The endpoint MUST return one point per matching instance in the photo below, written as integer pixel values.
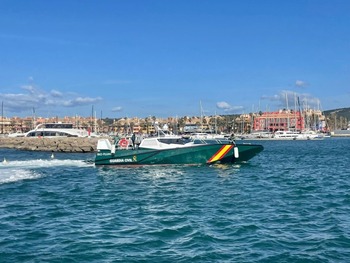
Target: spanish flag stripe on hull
(220, 153)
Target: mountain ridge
(341, 112)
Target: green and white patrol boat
(172, 149)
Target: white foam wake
(39, 163)
(12, 171)
(14, 175)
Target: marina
(106, 156)
(290, 201)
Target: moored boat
(309, 135)
(285, 135)
(174, 150)
(52, 130)
(295, 135)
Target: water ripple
(289, 204)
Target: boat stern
(247, 151)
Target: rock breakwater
(59, 144)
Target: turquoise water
(291, 203)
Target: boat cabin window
(49, 134)
(172, 140)
(58, 125)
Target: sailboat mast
(92, 118)
(287, 112)
(295, 112)
(299, 114)
(33, 118)
(201, 111)
(2, 117)
(95, 122)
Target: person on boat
(116, 139)
(138, 139)
(133, 137)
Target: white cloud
(29, 88)
(39, 99)
(227, 107)
(56, 93)
(117, 109)
(293, 99)
(80, 101)
(300, 84)
(223, 105)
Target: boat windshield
(173, 140)
(212, 141)
(55, 126)
(49, 134)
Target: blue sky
(164, 58)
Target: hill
(342, 112)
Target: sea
(290, 203)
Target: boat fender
(113, 149)
(236, 153)
(123, 143)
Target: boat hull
(201, 154)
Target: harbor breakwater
(62, 144)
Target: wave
(12, 171)
(14, 175)
(39, 163)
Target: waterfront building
(244, 123)
(284, 120)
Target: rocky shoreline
(59, 144)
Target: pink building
(279, 121)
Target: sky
(168, 58)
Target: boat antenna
(287, 111)
(201, 110)
(300, 119)
(92, 118)
(2, 117)
(33, 117)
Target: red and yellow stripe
(220, 153)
